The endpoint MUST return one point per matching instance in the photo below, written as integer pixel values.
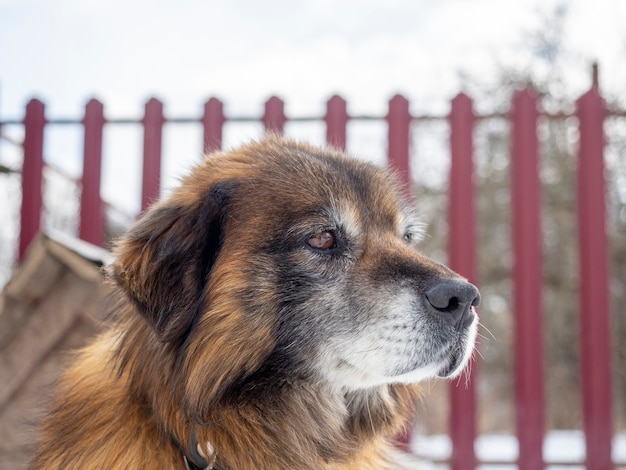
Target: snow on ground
(565, 447)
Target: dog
(274, 312)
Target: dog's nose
(453, 300)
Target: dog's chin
(354, 378)
(453, 368)
(453, 365)
(458, 358)
(349, 377)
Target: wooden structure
(54, 303)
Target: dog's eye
(323, 241)
(413, 234)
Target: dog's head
(279, 262)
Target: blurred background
(244, 51)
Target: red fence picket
(526, 234)
(336, 120)
(462, 259)
(594, 292)
(152, 138)
(91, 228)
(526, 229)
(274, 117)
(213, 122)
(32, 174)
(399, 132)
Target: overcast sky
(121, 51)
(242, 51)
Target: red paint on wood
(91, 227)
(213, 123)
(462, 259)
(32, 174)
(336, 121)
(274, 117)
(399, 121)
(594, 285)
(527, 279)
(152, 139)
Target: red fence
(526, 211)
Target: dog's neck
(302, 424)
(314, 430)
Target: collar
(193, 465)
(194, 460)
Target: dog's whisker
(488, 331)
(477, 351)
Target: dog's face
(280, 262)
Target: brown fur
(203, 356)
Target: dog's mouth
(451, 366)
(456, 359)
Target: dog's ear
(163, 263)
